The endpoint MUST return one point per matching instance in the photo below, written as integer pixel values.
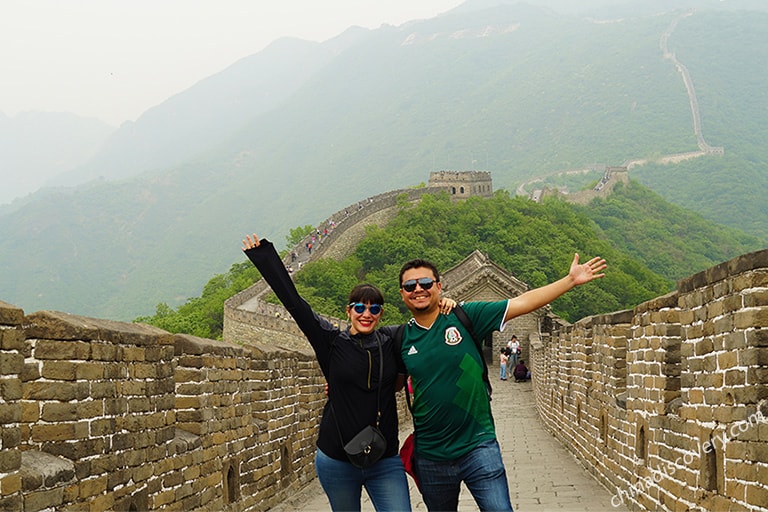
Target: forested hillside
(648, 243)
(670, 240)
(517, 90)
(723, 189)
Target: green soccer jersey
(451, 407)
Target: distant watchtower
(463, 184)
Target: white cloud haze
(114, 59)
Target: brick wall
(463, 184)
(667, 404)
(101, 415)
(664, 404)
(359, 215)
(11, 365)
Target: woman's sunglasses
(425, 283)
(360, 308)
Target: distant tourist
(503, 359)
(521, 372)
(514, 351)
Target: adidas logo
(412, 351)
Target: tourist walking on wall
(454, 428)
(360, 366)
(514, 350)
(503, 359)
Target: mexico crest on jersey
(452, 336)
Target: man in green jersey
(454, 429)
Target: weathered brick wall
(269, 322)
(667, 404)
(359, 215)
(98, 395)
(11, 365)
(101, 415)
(255, 410)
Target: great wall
(664, 404)
(606, 184)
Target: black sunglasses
(359, 308)
(425, 283)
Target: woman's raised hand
(250, 243)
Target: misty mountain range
(36, 147)
(287, 136)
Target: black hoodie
(349, 362)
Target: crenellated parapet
(463, 184)
(102, 415)
(667, 404)
(12, 350)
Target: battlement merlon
(463, 184)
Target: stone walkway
(542, 475)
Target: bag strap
(399, 355)
(467, 323)
(378, 390)
(381, 379)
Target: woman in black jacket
(361, 369)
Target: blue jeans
(481, 470)
(503, 371)
(343, 483)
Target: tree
(298, 234)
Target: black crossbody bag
(366, 448)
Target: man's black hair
(419, 263)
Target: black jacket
(350, 364)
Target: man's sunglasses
(360, 308)
(425, 283)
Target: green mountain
(668, 239)
(514, 89)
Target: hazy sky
(114, 59)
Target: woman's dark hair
(366, 293)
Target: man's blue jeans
(481, 470)
(385, 482)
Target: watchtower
(463, 184)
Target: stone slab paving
(542, 475)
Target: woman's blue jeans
(481, 470)
(385, 482)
